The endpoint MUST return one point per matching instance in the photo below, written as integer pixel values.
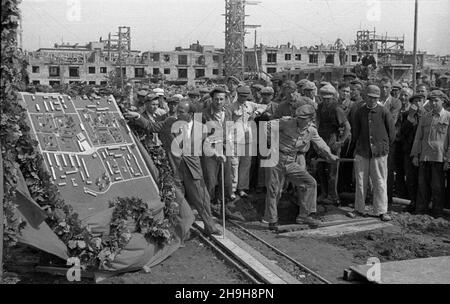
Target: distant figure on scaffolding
(366, 68)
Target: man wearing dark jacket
(374, 132)
(185, 161)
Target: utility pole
(416, 9)
(258, 72)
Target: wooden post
(415, 45)
(223, 200)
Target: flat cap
(173, 99)
(243, 90)
(350, 74)
(257, 86)
(142, 93)
(309, 86)
(324, 83)
(267, 91)
(438, 94)
(151, 97)
(373, 91)
(195, 92)
(305, 111)
(302, 82)
(179, 96)
(158, 91)
(327, 91)
(396, 85)
(217, 90)
(417, 96)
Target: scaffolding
(119, 45)
(369, 41)
(235, 36)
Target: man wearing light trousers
(374, 132)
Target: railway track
(283, 268)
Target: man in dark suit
(178, 135)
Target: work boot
(273, 226)
(307, 219)
(385, 217)
(243, 194)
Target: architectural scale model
(88, 150)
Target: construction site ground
(408, 237)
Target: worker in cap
(151, 111)
(186, 166)
(243, 112)
(162, 98)
(295, 137)
(395, 91)
(233, 83)
(267, 99)
(431, 153)
(310, 90)
(327, 91)
(256, 91)
(334, 128)
(289, 91)
(373, 135)
(172, 103)
(406, 174)
(140, 100)
(288, 106)
(216, 155)
(300, 85)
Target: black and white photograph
(223, 148)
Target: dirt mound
(422, 224)
(391, 246)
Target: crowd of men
(395, 143)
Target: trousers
(327, 177)
(290, 169)
(240, 172)
(431, 186)
(197, 195)
(376, 169)
(213, 176)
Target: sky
(164, 24)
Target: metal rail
(224, 255)
(305, 268)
